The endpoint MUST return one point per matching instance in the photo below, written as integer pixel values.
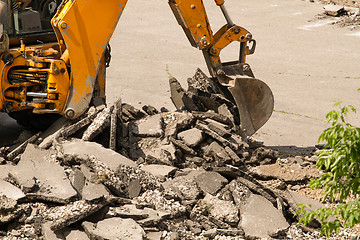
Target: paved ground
(307, 64)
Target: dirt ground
(307, 63)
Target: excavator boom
(253, 98)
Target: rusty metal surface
(253, 97)
(255, 103)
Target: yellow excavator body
(63, 75)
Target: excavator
(57, 54)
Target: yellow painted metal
(219, 2)
(47, 73)
(37, 74)
(85, 28)
(223, 38)
(99, 91)
(191, 15)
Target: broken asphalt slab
(39, 176)
(84, 150)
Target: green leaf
(341, 172)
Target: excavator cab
(32, 24)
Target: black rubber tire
(34, 121)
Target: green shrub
(340, 162)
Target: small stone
(114, 228)
(150, 110)
(221, 211)
(334, 10)
(50, 234)
(295, 187)
(191, 137)
(217, 151)
(210, 182)
(149, 127)
(173, 236)
(160, 171)
(154, 235)
(184, 186)
(211, 233)
(134, 188)
(220, 128)
(77, 235)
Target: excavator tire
(34, 121)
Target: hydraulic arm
(253, 97)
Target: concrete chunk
(158, 153)
(92, 191)
(100, 122)
(128, 211)
(176, 121)
(222, 211)
(218, 152)
(334, 10)
(192, 137)
(114, 228)
(4, 171)
(298, 198)
(259, 218)
(63, 216)
(179, 97)
(50, 234)
(53, 132)
(157, 170)
(86, 184)
(77, 235)
(84, 150)
(10, 191)
(149, 127)
(184, 186)
(210, 182)
(35, 170)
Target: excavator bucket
(253, 97)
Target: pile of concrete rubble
(123, 173)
